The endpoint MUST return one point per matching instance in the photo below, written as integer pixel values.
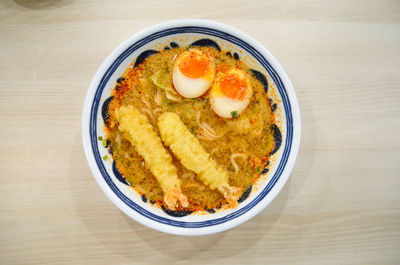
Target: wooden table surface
(341, 204)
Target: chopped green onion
(230, 167)
(192, 129)
(258, 169)
(194, 99)
(105, 142)
(100, 138)
(234, 114)
(105, 157)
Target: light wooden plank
(341, 204)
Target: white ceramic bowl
(184, 32)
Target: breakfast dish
(190, 128)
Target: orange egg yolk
(194, 65)
(233, 87)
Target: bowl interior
(109, 178)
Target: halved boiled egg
(231, 92)
(193, 73)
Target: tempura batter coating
(193, 156)
(140, 133)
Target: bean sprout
(157, 98)
(203, 137)
(206, 126)
(171, 97)
(173, 59)
(208, 131)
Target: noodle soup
(240, 144)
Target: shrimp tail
(230, 193)
(172, 197)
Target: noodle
(148, 112)
(171, 97)
(203, 137)
(205, 125)
(157, 110)
(209, 130)
(157, 98)
(235, 166)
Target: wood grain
(341, 204)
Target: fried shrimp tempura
(193, 156)
(140, 133)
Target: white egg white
(224, 106)
(189, 87)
